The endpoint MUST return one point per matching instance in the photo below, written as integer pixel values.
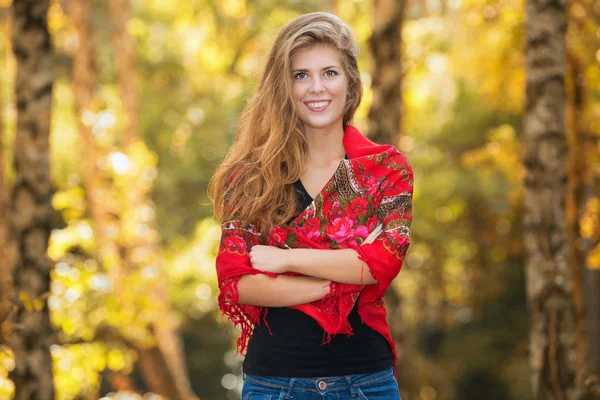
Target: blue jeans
(375, 386)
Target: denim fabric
(374, 386)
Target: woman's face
(320, 86)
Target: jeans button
(322, 385)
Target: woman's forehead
(316, 57)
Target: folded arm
(341, 266)
(377, 260)
(283, 291)
(244, 289)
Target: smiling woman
(320, 87)
(315, 225)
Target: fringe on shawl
(330, 306)
(375, 273)
(244, 317)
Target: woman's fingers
(373, 235)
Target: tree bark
(551, 297)
(5, 266)
(385, 114)
(31, 202)
(138, 202)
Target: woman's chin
(321, 123)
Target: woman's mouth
(317, 106)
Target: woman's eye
(300, 75)
(330, 73)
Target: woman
(315, 226)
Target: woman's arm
(283, 291)
(373, 262)
(341, 266)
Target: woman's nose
(317, 86)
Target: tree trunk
(106, 222)
(95, 183)
(551, 297)
(138, 203)
(124, 49)
(386, 109)
(5, 270)
(31, 202)
(591, 293)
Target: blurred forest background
(144, 104)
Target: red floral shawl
(373, 185)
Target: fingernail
(379, 226)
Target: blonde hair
(254, 183)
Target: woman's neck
(325, 146)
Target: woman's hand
(278, 261)
(269, 259)
(373, 235)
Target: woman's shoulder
(391, 159)
(398, 160)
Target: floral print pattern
(373, 186)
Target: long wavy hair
(254, 183)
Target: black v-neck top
(295, 348)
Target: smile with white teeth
(317, 104)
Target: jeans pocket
(386, 389)
(255, 391)
(257, 396)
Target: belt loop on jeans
(290, 388)
(353, 391)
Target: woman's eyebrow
(306, 70)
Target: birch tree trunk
(550, 282)
(385, 114)
(138, 204)
(30, 202)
